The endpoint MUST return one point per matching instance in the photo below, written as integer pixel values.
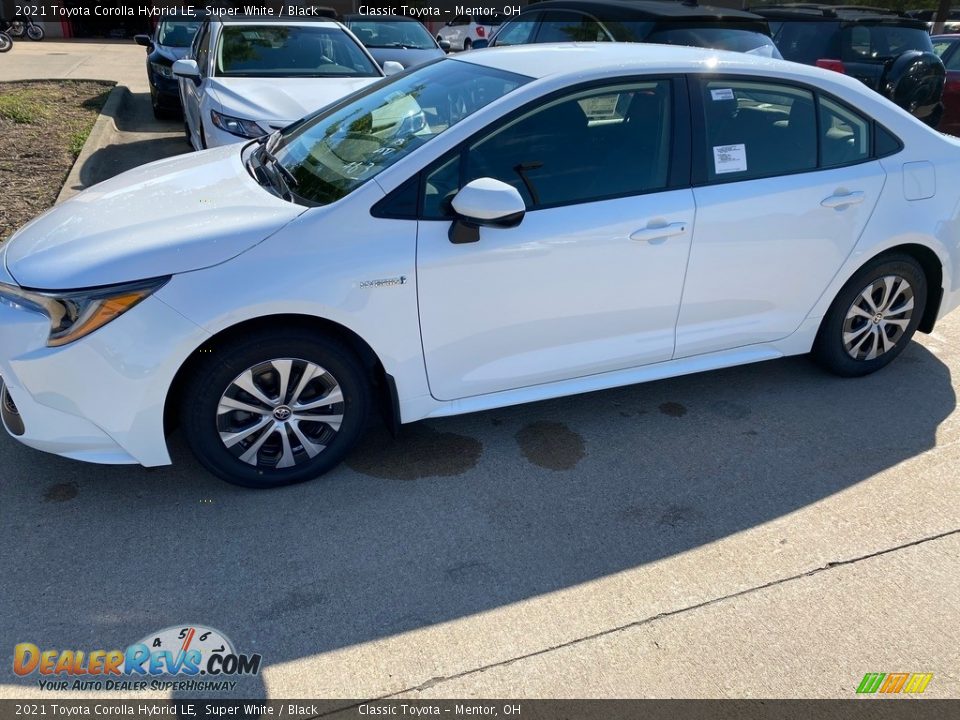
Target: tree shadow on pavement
(456, 517)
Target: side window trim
(680, 154)
(697, 86)
(679, 143)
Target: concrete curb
(101, 135)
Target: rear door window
(807, 42)
(882, 42)
(758, 129)
(518, 32)
(567, 26)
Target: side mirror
(445, 45)
(187, 68)
(392, 67)
(485, 201)
(143, 40)
(480, 44)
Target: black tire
(186, 133)
(35, 32)
(205, 390)
(845, 330)
(467, 45)
(6, 42)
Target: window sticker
(723, 94)
(729, 158)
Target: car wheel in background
(275, 408)
(873, 317)
(467, 44)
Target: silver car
(397, 39)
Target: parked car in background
(489, 229)
(247, 78)
(948, 48)
(465, 30)
(888, 52)
(394, 38)
(170, 41)
(651, 21)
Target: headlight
(76, 314)
(162, 70)
(237, 126)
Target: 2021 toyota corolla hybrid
(504, 226)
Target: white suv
(464, 30)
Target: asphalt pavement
(762, 531)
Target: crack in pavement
(432, 682)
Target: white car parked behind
(464, 30)
(245, 79)
(489, 229)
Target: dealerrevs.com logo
(188, 652)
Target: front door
(591, 280)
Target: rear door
(787, 182)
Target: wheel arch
(384, 386)
(932, 270)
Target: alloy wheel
(280, 414)
(878, 317)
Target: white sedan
(500, 227)
(245, 79)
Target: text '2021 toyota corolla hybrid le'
(500, 227)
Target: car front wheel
(873, 317)
(275, 409)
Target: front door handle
(844, 200)
(660, 232)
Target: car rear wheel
(873, 317)
(275, 409)
(467, 44)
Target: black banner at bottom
(874, 708)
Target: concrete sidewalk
(127, 134)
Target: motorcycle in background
(6, 42)
(27, 27)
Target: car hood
(406, 57)
(168, 217)
(277, 102)
(171, 54)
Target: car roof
(254, 20)
(541, 60)
(642, 10)
(355, 17)
(845, 13)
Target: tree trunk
(941, 16)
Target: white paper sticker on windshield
(729, 158)
(723, 94)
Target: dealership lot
(762, 531)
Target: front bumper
(165, 91)
(102, 398)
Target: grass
(21, 107)
(43, 127)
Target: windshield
(290, 51)
(177, 33)
(735, 39)
(407, 34)
(335, 151)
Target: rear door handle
(839, 201)
(661, 232)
